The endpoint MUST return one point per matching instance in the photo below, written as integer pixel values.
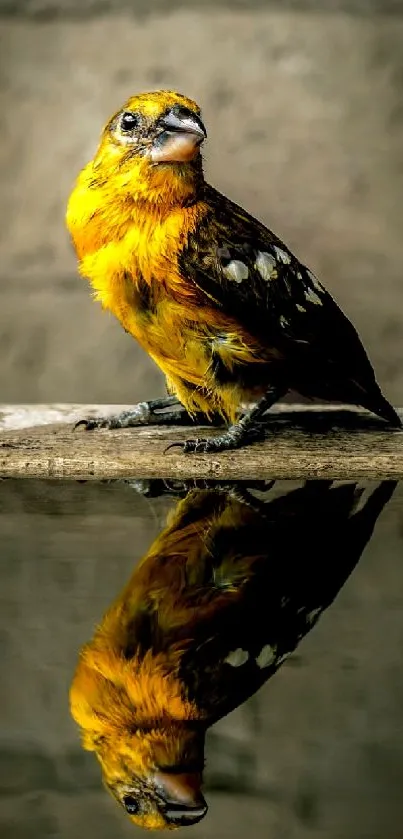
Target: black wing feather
(291, 312)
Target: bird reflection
(238, 576)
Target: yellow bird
(225, 593)
(223, 307)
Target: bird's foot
(236, 437)
(144, 413)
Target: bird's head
(148, 739)
(156, 776)
(150, 148)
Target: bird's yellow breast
(129, 251)
(125, 249)
(121, 243)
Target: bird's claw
(190, 446)
(89, 423)
(173, 446)
(235, 437)
(200, 445)
(140, 414)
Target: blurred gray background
(303, 103)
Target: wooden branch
(302, 442)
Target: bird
(226, 592)
(232, 318)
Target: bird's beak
(180, 138)
(183, 801)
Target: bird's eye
(128, 121)
(131, 805)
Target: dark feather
(319, 351)
(288, 563)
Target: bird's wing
(285, 585)
(251, 276)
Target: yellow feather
(129, 222)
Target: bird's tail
(380, 406)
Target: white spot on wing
(282, 255)
(266, 265)
(236, 271)
(312, 297)
(237, 657)
(314, 280)
(283, 658)
(266, 657)
(311, 616)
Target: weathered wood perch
(302, 442)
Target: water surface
(316, 752)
